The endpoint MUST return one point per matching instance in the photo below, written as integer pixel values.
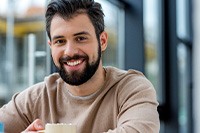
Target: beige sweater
(126, 104)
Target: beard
(75, 77)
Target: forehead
(77, 23)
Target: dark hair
(69, 8)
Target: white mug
(60, 128)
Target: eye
(81, 39)
(59, 42)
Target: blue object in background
(1, 127)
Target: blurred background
(158, 37)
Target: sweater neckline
(88, 97)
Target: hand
(34, 127)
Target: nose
(70, 49)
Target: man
(96, 99)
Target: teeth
(74, 63)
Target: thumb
(35, 126)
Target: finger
(35, 126)
(29, 132)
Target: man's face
(75, 49)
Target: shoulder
(126, 76)
(130, 83)
(38, 90)
(49, 82)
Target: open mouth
(74, 63)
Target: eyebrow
(76, 34)
(82, 33)
(57, 37)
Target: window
(24, 52)
(154, 44)
(154, 53)
(168, 48)
(114, 24)
(184, 65)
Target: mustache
(75, 57)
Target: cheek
(56, 54)
(93, 54)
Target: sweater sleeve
(13, 119)
(18, 113)
(137, 107)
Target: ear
(49, 42)
(103, 41)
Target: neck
(91, 86)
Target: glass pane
(23, 45)
(183, 71)
(114, 23)
(183, 19)
(153, 44)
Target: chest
(89, 116)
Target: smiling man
(76, 51)
(95, 98)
